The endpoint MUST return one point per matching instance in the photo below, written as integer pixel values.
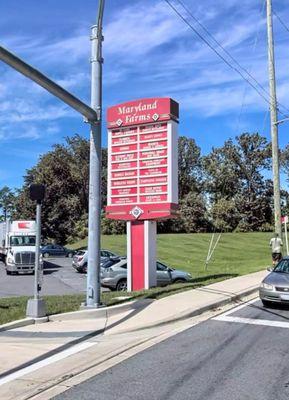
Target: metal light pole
(94, 212)
(93, 117)
(36, 306)
(274, 121)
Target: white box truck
(17, 246)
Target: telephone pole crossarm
(25, 69)
(281, 121)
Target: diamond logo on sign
(119, 122)
(136, 212)
(156, 117)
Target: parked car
(79, 261)
(55, 250)
(114, 277)
(274, 289)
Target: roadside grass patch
(14, 308)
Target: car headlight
(189, 275)
(267, 286)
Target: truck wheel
(8, 272)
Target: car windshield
(282, 267)
(110, 262)
(22, 241)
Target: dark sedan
(275, 287)
(55, 250)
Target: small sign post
(284, 220)
(36, 306)
(142, 178)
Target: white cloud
(148, 48)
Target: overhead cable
(222, 57)
(281, 21)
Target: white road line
(232, 310)
(251, 321)
(56, 357)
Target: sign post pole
(36, 306)
(286, 236)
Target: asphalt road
(241, 355)
(59, 278)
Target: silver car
(274, 288)
(79, 261)
(114, 276)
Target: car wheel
(179, 280)
(70, 255)
(46, 255)
(267, 304)
(122, 285)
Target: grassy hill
(236, 253)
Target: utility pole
(94, 212)
(274, 121)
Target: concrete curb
(82, 314)
(102, 312)
(17, 324)
(192, 313)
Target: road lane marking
(232, 310)
(252, 321)
(49, 360)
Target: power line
(222, 47)
(250, 69)
(220, 55)
(281, 21)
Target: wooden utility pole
(274, 121)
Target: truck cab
(20, 247)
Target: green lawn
(236, 253)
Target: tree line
(226, 190)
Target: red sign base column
(141, 255)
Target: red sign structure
(142, 165)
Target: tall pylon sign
(142, 178)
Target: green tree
(234, 174)
(7, 202)
(65, 172)
(225, 215)
(190, 168)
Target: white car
(79, 261)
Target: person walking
(276, 245)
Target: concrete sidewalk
(41, 356)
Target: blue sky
(148, 51)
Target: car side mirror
(270, 269)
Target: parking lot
(59, 278)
